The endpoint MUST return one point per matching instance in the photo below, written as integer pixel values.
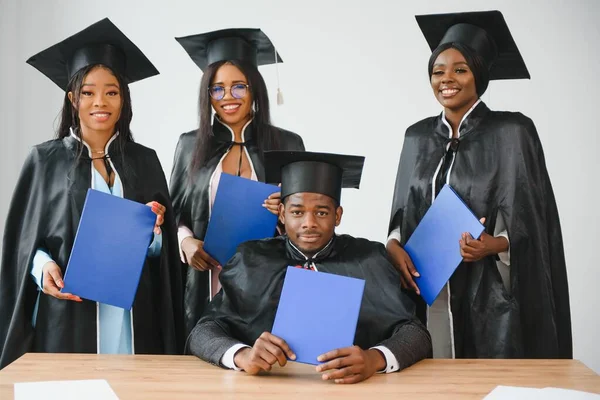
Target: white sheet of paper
(513, 393)
(549, 393)
(94, 389)
(552, 393)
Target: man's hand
(351, 364)
(267, 350)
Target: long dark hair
(265, 136)
(69, 117)
(475, 62)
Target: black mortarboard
(99, 43)
(244, 44)
(303, 171)
(485, 32)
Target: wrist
(45, 267)
(377, 360)
(391, 243)
(500, 245)
(186, 243)
(239, 357)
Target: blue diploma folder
(317, 312)
(110, 249)
(238, 216)
(433, 247)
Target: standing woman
(94, 149)
(233, 142)
(509, 297)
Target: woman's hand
(159, 210)
(473, 250)
(195, 256)
(403, 264)
(52, 283)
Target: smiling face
(232, 111)
(99, 102)
(453, 82)
(310, 220)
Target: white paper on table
(549, 393)
(93, 389)
(552, 393)
(513, 393)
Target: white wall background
(354, 78)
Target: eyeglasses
(238, 91)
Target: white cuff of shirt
(227, 359)
(40, 259)
(390, 360)
(505, 255)
(183, 232)
(156, 246)
(395, 234)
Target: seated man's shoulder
(269, 247)
(361, 246)
(370, 255)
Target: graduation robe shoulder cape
(191, 198)
(499, 167)
(253, 279)
(45, 212)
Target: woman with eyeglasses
(232, 142)
(509, 297)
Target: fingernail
(338, 381)
(318, 368)
(320, 358)
(417, 274)
(293, 357)
(325, 377)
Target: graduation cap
(486, 32)
(303, 171)
(243, 44)
(99, 43)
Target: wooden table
(186, 377)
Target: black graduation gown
(253, 279)
(191, 198)
(45, 212)
(499, 167)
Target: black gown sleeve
(180, 181)
(404, 173)
(171, 272)
(22, 233)
(538, 267)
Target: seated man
(235, 330)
